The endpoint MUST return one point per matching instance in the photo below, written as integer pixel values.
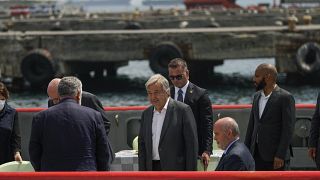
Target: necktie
(180, 96)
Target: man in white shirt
(198, 99)
(271, 122)
(168, 134)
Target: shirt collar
(184, 88)
(225, 151)
(264, 96)
(164, 107)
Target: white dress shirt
(184, 90)
(157, 122)
(262, 102)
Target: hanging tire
(38, 67)
(162, 55)
(308, 58)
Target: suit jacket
(314, 131)
(198, 99)
(68, 137)
(10, 139)
(274, 130)
(92, 101)
(237, 158)
(178, 145)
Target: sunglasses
(177, 77)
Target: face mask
(2, 103)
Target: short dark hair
(178, 62)
(4, 91)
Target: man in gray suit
(168, 134)
(271, 122)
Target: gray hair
(158, 78)
(230, 123)
(69, 86)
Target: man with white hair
(236, 156)
(68, 136)
(168, 134)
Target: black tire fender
(38, 67)
(161, 55)
(308, 58)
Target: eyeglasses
(177, 77)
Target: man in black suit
(271, 122)
(236, 156)
(314, 144)
(198, 99)
(87, 99)
(68, 136)
(168, 134)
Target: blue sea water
(234, 88)
(233, 83)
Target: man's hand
(205, 160)
(312, 153)
(17, 157)
(278, 163)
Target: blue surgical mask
(2, 103)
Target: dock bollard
(292, 21)
(307, 19)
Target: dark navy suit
(237, 158)
(90, 100)
(10, 140)
(69, 137)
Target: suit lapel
(220, 163)
(166, 121)
(224, 154)
(256, 107)
(270, 101)
(172, 92)
(189, 93)
(149, 127)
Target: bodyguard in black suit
(271, 122)
(198, 99)
(68, 136)
(314, 144)
(87, 99)
(168, 134)
(236, 156)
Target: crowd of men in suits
(176, 129)
(68, 136)
(169, 137)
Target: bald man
(236, 156)
(271, 122)
(52, 91)
(87, 99)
